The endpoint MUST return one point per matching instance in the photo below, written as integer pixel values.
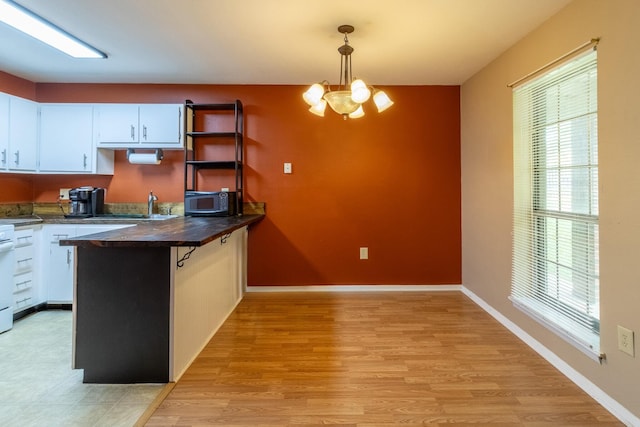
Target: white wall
(487, 180)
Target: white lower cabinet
(26, 292)
(59, 261)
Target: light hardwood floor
(371, 359)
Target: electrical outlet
(64, 194)
(364, 253)
(625, 341)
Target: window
(555, 273)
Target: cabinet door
(59, 267)
(4, 131)
(66, 133)
(117, 123)
(23, 134)
(160, 124)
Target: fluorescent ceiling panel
(29, 23)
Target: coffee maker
(86, 202)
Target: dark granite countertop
(180, 231)
(21, 220)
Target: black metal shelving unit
(195, 139)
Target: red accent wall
(390, 181)
(17, 86)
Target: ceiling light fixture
(351, 93)
(29, 23)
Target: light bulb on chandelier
(351, 93)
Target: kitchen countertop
(179, 231)
(22, 220)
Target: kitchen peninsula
(148, 298)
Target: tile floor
(38, 386)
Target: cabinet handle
(23, 302)
(84, 161)
(24, 284)
(17, 153)
(144, 132)
(133, 133)
(68, 256)
(4, 156)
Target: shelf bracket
(185, 257)
(224, 238)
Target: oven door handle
(6, 246)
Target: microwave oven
(210, 203)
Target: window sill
(589, 347)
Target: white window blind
(555, 273)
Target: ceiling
(400, 42)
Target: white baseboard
(619, 411)
(356, 288)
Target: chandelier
(350, 94)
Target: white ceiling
(399, 42)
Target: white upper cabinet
(4, 131)
(139, 125)
(161, 124)
(80, 138)
(117, 123)
(66, 138)
(23, 135)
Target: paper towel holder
(145, 158)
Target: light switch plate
(287, 168)
(364, 253)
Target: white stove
(7, 262)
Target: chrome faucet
(152, 198)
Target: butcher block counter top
(180, 231)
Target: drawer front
(62, 235)
(24, 237)
(22, 300)
(22, 282)
(24, 259)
